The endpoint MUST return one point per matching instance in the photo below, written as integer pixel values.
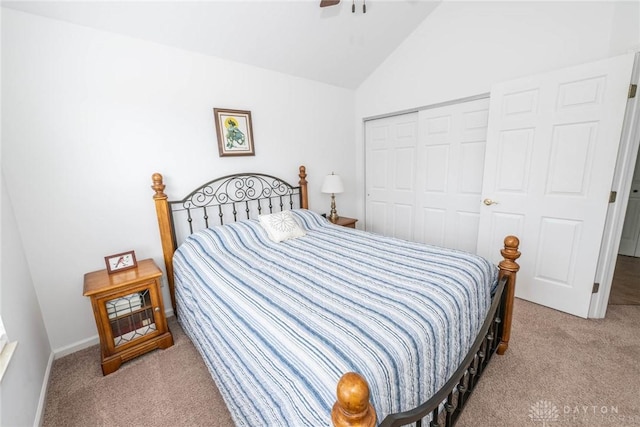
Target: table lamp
(332, 184)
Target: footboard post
(166, 232)
(508, 268)
(353, 409)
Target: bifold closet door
(451, 148)
(424, 174)
(390, 163)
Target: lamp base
(333, 215)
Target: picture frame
(120, 262)
(234, 131)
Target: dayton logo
(545, 412)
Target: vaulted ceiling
(297, 37)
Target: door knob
(489, 202)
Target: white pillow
(281, 226)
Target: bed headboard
(222, 200)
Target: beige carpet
(559, 370)
(587, 370)
(169, 387)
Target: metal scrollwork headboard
(229, 198)
(240, 191)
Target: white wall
(463, 48)
(88, 116)
(23, 381)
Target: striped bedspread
(278, 323)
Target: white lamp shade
(332, 184)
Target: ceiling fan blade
(325, 3)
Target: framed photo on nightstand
(119, 262)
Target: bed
(290, 311)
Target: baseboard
(77, 346)
(37, 421)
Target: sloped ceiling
(296, 37)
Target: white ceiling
(297, 37)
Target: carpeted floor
(169, 387)
(559, 370)
(587, 370)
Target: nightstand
(129, 313)
(346, 222)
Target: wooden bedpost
(353, 409)
(304, 200)
(166, 233)
(508, 267)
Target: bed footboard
(353, 408)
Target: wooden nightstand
(346, 222)
(129, 313)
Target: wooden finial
(510, 254)
(158, 186)
(353, 407)
(303, 174)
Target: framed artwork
(119, 262)
(235, 132)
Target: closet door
(390, 163)
(424, 174)
(451, 151)
(551, 153)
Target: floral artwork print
(234, 132)
(234, 135)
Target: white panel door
(551, 151)
(630, 240)
(451, 150)
(390, 145)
